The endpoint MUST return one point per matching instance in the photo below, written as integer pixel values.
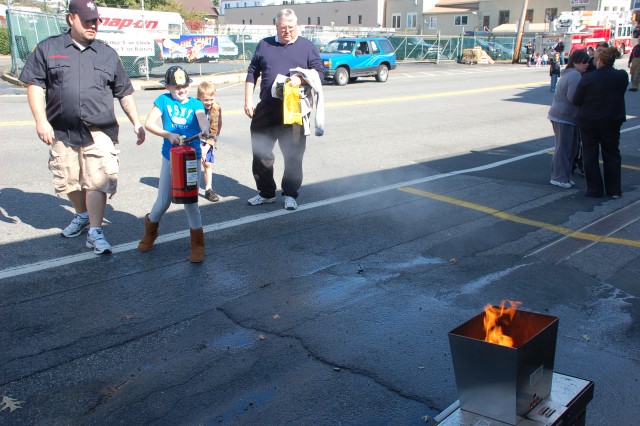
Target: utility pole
(516, 51)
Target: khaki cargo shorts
(94, 167)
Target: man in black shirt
(72, 81)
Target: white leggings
(164, 198)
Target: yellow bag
(291, 104)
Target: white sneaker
(290, 203)
(259, 199)
(561, 184)
(97, 242)
(76, 227)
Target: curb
(13, 80)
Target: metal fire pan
(500, 382)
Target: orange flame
(493, 318)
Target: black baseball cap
(85, 9)
(176, 76)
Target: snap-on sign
(121, 23)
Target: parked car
(319, 43)
(246, 44)
(346, 59)
(495, 50)
(414, 47)
(226, 48)
(136, 66)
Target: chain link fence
(230, 51)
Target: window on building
(243, 22)
(503, 17)
(395, 20)
(433, 22)
(245, 4)
(250, 21)
(460, 20)
(412, 20)
(318, 21)
(349, 20)
(550, 13)
(529, 15)
(486, 21)
(359, 19)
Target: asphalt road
(427, 198)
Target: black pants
(266, 129)
(602, 137)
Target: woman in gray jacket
(564, 119)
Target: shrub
(5, 46)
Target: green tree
(133, 4)
(5, 48)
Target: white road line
(54, 263)
(67, 260)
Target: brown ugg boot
(150, 235)
(197, 245)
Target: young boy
(207, 95)
(175, 116)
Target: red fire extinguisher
(184, 172)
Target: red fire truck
(581, 29)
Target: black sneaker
(211, 196)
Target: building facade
(351, 13)
(428, 17)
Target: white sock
(83, 216)
(93, 230)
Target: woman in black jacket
(600, 95)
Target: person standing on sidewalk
(559, 48)
(72, 80)
(554, 70)
(275, 55)
(634, 68)
(528, 48)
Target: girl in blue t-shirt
(181, 117)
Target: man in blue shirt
(72, 80)
(278, 55)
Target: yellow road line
(513, 218)
(437, 95)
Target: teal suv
(346, 59)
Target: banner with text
(190, 48)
